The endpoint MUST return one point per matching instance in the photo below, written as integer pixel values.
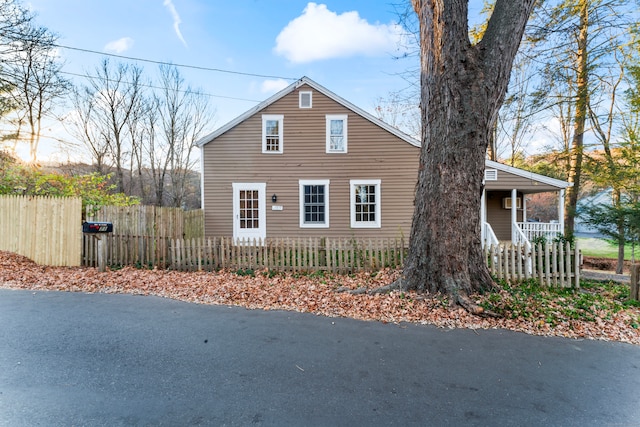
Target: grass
(528, 300)
(602, 248)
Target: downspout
(202, 177)
(561, 210)
(514, 214)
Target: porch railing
(533, 230)
(519, 237)
(488, 236)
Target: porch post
(524, 208)
(561, 210)
(514, 214)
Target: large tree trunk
(463, 87)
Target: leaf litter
(322, 294)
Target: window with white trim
(365, 203)
(314, 203)
(337, 133)
(272, 130)
(305, 99)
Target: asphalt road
(71, 359)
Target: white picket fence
(552, 264)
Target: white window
(314, 203)
(506, 203)
(337, 133)
(365, 203)
(272, 129)
(305, 99)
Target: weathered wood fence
(336, 255)
(141, 234)
(151, 221)
(47, 230)
(552, 264)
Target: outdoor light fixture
(274, 198)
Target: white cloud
(322, 34)
(176, 20)
(273, 86)
(120, 45)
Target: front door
(249, 213)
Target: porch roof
(508, 178)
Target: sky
(259, 47)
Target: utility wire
(86, 76)
(195, 67)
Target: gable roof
(403, 136)
(526, 174)
(306, 80)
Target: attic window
(337, 133)
(272, 127)
(491, 175)
(305, 99)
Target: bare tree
(400, 112)
(82, 124)
(463, 86)
(156, 152)
(147, 137)
(30, 74)
(184, 114)
(117, 93)
(517, 118)
(139, 134)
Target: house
(582, 226)
(308, 163)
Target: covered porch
(504, 206)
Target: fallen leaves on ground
(311, 293)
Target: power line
(86, 76)
(195, 67)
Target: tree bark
(580, 119)
(463, 86)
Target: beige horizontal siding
(497, 216)
(509, 181)
(373, 153)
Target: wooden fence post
(102, 253)
(634, 292)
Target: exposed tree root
(381, 290)
(461, 298)
(393, 286)
(474, 308)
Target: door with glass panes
(249, 211)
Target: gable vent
(305, 99)
(491, 175)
